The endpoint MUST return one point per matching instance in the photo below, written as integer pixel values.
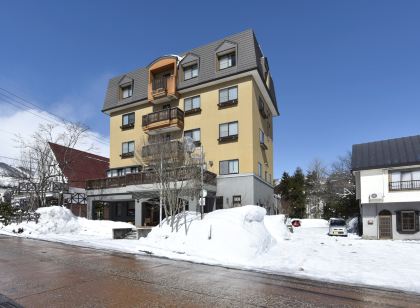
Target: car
(337, 227)
(295, 222)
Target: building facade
(222, 96)
(388, 187)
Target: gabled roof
(386, 153)
(248, 58)
(79, 166)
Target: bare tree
(315, 187)
(42, 172)
(175, 170)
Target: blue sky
(345, 71)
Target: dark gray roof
(386, 153)
(249, 58)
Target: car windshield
(337, 223)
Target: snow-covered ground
(248, 239)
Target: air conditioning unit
(375, 197)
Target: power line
(53, 117)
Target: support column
(89, 208)
(139, 211)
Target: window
(128, 120)
(190, 71)
(194, 134)
(192, 104)
(227, 60)
(228, 131)
(236, 201)
(404, 180)
(228, 96)
(229, 166)
(408, 219)
(259, 169)
(126, 91)
(262, 137)
(131, 210)
(128, 149)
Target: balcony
(404, 185)
(163, 121)
(162, 80)
(162, 148)
(136, 179)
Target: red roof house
(79, 166)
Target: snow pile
(58, 220)
(275, 224)
(230, 235)
(353, 225)
(314, 223)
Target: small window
(259, 169)
(128, 120)
(228, 95)
(236, 201)
(190, 71)
(126, 91)
(262, 137)
(194, 134)
(408, 219)
(192, 103)
(227, 60)
(128, 149)
(228, 131)
(131, 209)
(229, 166)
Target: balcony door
(385, 225)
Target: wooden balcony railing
(136, 179)
(165, 148)
(163, 115)
(404, 185)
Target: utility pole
(202, 180)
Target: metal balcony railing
(404, 185)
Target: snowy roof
(386, 153)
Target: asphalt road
(44, 274)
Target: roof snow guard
(386, 153)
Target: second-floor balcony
(163, 121)
(164, 149)
(404, 185)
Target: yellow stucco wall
(247, 149)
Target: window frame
(128, 125)
(230, 55)
(128, 153)
(229, 101)
(190, 67)
(124, 86)
(236, 201)
(196, 142)
(229, 161)
(192, 109)
(259, 171)
(413, 213)
(229, 137)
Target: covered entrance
(385, 225)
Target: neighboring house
(388, 186)
(222, 96)
(74, 167)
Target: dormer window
(126, 91)
(190, 71)
(227, 60)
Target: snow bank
(229, 235)
(313, 223)
(277, 228)
(56, 220)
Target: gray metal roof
(386, 153)
(248, 58)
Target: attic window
(226, 60)
(190, 71)
(126, 91)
